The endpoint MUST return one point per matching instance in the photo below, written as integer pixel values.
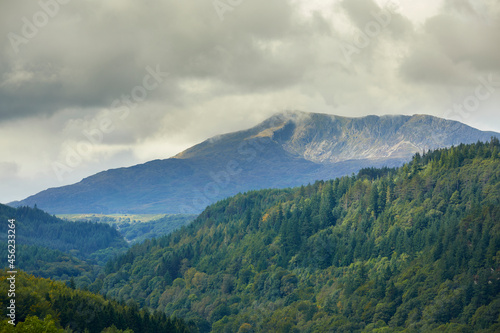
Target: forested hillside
(47, 306)
(82, 239)
(137, 232)
(48, 263)
(52, 248)
(137, 228)
(409, 249)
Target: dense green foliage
(81, 239)
(52, 248)
(47, 306)
(136, 230)
(47, 263)
(409, 249)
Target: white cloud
(225, 75)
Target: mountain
(289, 149)
(413, 249)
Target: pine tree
(326, 206)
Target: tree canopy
(408, 249)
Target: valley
(136, 228)
(412, 248)
(232, 166)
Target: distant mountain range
(289, 149)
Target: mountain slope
(82, 239)
(288, 149)
(414, 249)
(46, 306)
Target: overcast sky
(91, 85)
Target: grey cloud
(360, 11)
(427, 64)
(265, 56)
(467, 41)
(483, 10)
(9, 170)
(455, 47)
(400, 27)
(91, 52)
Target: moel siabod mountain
(289, 149)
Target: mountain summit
(289, 149)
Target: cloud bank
(68, 67)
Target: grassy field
(103, 218)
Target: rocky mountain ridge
(288, 149)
